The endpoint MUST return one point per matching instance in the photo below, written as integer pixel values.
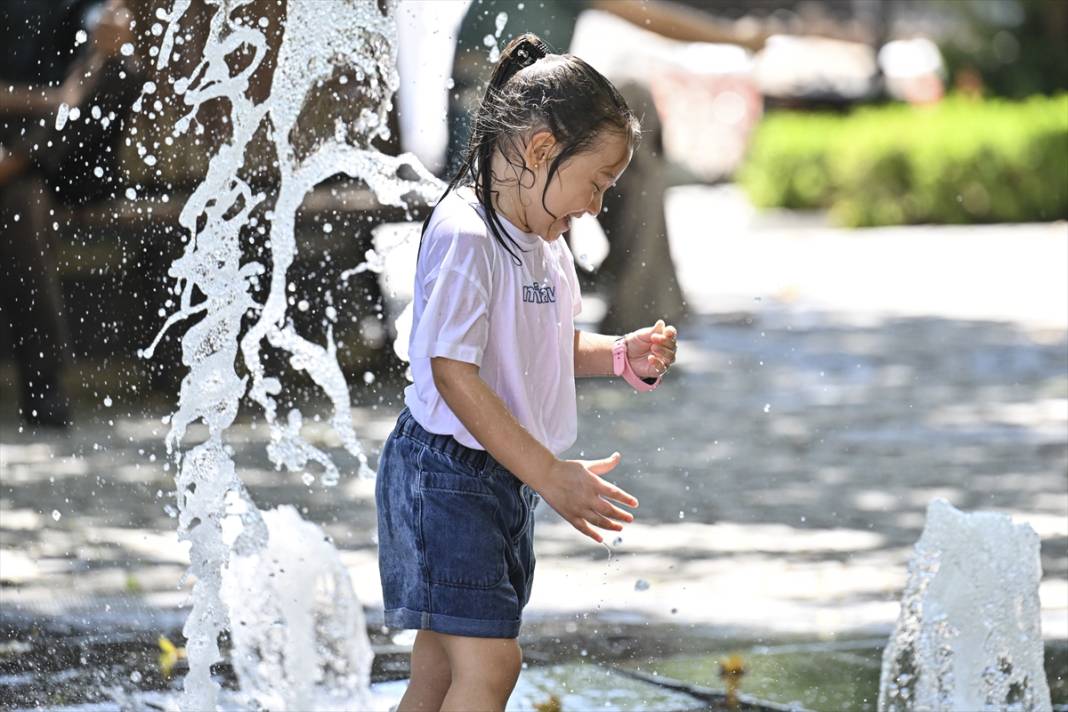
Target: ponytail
(520, 53)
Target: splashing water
(491, 40)
(969, 634)
(215, 512)
(321, 660)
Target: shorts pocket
(460, 531)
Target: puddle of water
(578, 686)
(86, 672)
(73, 669)
(820, 677)
(574, 686)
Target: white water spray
(969, 634)
(216, 514)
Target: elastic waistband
(479, 460)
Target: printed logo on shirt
(539, 294)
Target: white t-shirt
(472, 303)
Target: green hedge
(959, 161)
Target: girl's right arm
(573, 488)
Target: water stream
(300, 641)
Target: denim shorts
(455, 536)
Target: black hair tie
(525, 57)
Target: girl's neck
(505, 205)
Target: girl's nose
(595, 205)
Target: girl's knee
(496, 661)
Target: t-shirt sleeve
(455, 321)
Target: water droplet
(56, 515)
(107, 401)
(767, 407)
(307, 478)
(80, 37)
(135, 676)
(618, 541)
(368, 377)
(682, 514)
(303, 305)
(641, 585)
(127, 49)
(62, 113)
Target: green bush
(959, 161)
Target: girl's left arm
(593, 354)
(651, 351)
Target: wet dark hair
(533, 89)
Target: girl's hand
(579, 495)
(651, 350)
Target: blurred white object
(704, 93)
(969, 636)
(426, 32)
(913, 70)
(792, 66)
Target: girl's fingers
(659, 366)
(614, 512)
(585, 528)
(665, 354)
(605, 523)
(619, 496)
(604, 466)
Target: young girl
(494, 356)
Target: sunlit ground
(828, 387)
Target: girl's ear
(540, 149)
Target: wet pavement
(783, 468)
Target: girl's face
(578, 186)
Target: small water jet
(969, 633)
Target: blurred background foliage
(994, 150)
(961, 160)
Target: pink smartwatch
(621, 367)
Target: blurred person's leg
(638, 274)
(32, 302)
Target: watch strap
(621, 367)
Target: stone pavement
(829, 385)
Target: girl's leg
(430, 677)
(484, 672)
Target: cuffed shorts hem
(406, 618)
